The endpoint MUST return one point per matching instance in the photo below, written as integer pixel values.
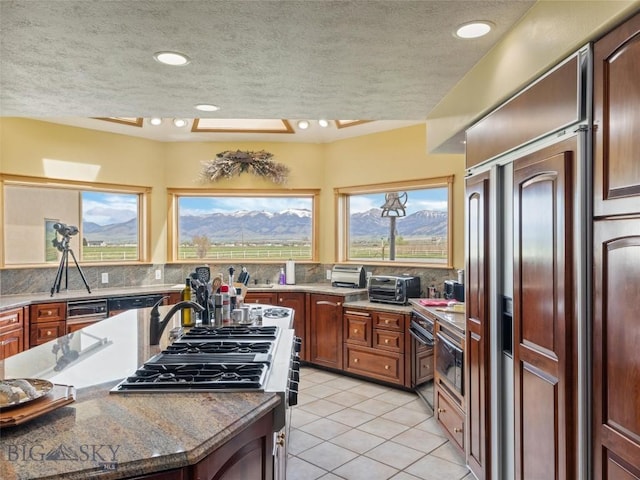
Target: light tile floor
(351, 429)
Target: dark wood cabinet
(296, 301)
(477, 380)
(616, 255)
(616, 362)
(616, 113)
(544, 302)
(248, 455)
(374, 345)
(48, 321)
(266, 298)
(12, 331)
(325, 330)
(450, 416)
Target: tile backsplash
(20, 281)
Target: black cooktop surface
(196, 376)
(218, 346)
(235, 331)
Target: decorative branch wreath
(229, 164)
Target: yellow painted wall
(391, 156)
(89, 155)
(548, 33)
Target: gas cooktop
(237, 332)
(195, 376)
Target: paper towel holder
(290, 272)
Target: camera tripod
(64, 266)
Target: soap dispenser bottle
(282, 279)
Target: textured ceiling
(391, 60)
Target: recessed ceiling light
(179, 122)
(175, 59)
(303, 124)
(473, 29)
(323, 123)
(155, 121)
(206, 107)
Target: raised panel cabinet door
(477, 397)
(297, 302)
(326, 330)
(543, 356)
(616, 359)
(11, 343)
(617, 121)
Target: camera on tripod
(66, 231)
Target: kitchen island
(111, 436)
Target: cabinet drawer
(424, 366)
(450, 417)
(43, 332)
(386, 366)
(388, 340)
(267, 298)
(11, 343)
(48, 312)
(357, 329)
(389, 321)
(11, 319)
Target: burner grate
(218, 346)
(236, 331)
(203, 376)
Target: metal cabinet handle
(386, 340)
(386, 322)
(49, 312)
(355, 360)
(339, 303)
(457, 430)
(387, 367)
(280, 300)
(441, 410)
(355, 330)
(49, 333)
(280, 440)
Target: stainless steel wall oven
(421, 330)
(450, 360)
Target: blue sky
(417, 200)
(108, 208)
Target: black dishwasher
(122, 304)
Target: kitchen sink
(260, 285)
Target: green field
(435, 252)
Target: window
(97, 222)
(405, 222)
(243, 225)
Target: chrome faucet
(156, 326)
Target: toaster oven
(393, 289)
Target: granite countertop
(383, 307)
(325, 288)
(14, 301)
(456, 320)
(139, 432)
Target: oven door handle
(423, 340)
(448, 343)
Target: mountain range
(287, 226)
